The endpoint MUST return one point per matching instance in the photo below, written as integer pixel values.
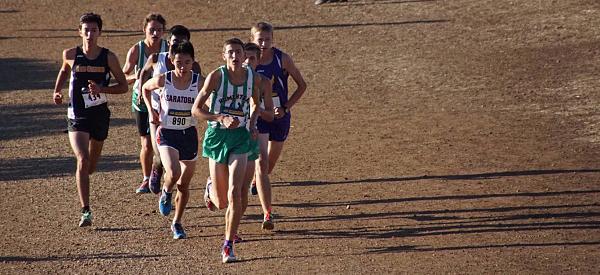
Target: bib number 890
(179, 121)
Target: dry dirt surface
(457, 136)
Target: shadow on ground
(27, 74)
(478, 176)
(100, 256)
(40, 168)
(35, 120)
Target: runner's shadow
(377, 2)
(100, 256)
(478, 176)
(27, 74)
(34, 120)
(117, 229)
(416, 248)
(42, 168)
(435, 198)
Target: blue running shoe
(143, 188)
(155, 176)
(164, 203)
(178, 232)
(227, 253)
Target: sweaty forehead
(154, 24)
(233, 47)
(89, 25)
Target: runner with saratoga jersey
(177, 135)
(159, 63)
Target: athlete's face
(89, 32)
(263, 39)
(234, 55)
(251, 59)
(154, 30)
(183, 63)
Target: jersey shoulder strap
(141, 53)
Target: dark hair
(252, 48)
(233, 41)
(90, 17)
(261, 27)
(184, 47)
(178, 30)
(155, 17)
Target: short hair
(155, 17)
(261, 27)
(178, 30)
(184, 47)
(233, 41)
(90, 17)
(253, 48)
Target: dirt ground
(457, 136)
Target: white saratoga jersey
(176, 105)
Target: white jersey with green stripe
(142, 58)
(232, 100)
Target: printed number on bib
(91, 100)
(239, 114)
(276, 101)
(179, 119)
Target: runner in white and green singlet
(232, 114)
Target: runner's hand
(94, 88)
(253, 133)
(279, 112)
(57, 98)
(154, 119)
(230, 122)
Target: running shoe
(155, 176)
(253, 189)
(143, 188)
(178, 232)
(86, 219)
(237, 239)
(207, 200)
(227, 253)
(164, 203)
(267, 223)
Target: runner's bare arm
(255, 107)
(152, 84)
(146, 72)
(68, 56)
(290, 67)
(130, 63)
(210, 84)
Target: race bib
(179, 119)
(91, 100)
(239, 114)
(276, 101)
